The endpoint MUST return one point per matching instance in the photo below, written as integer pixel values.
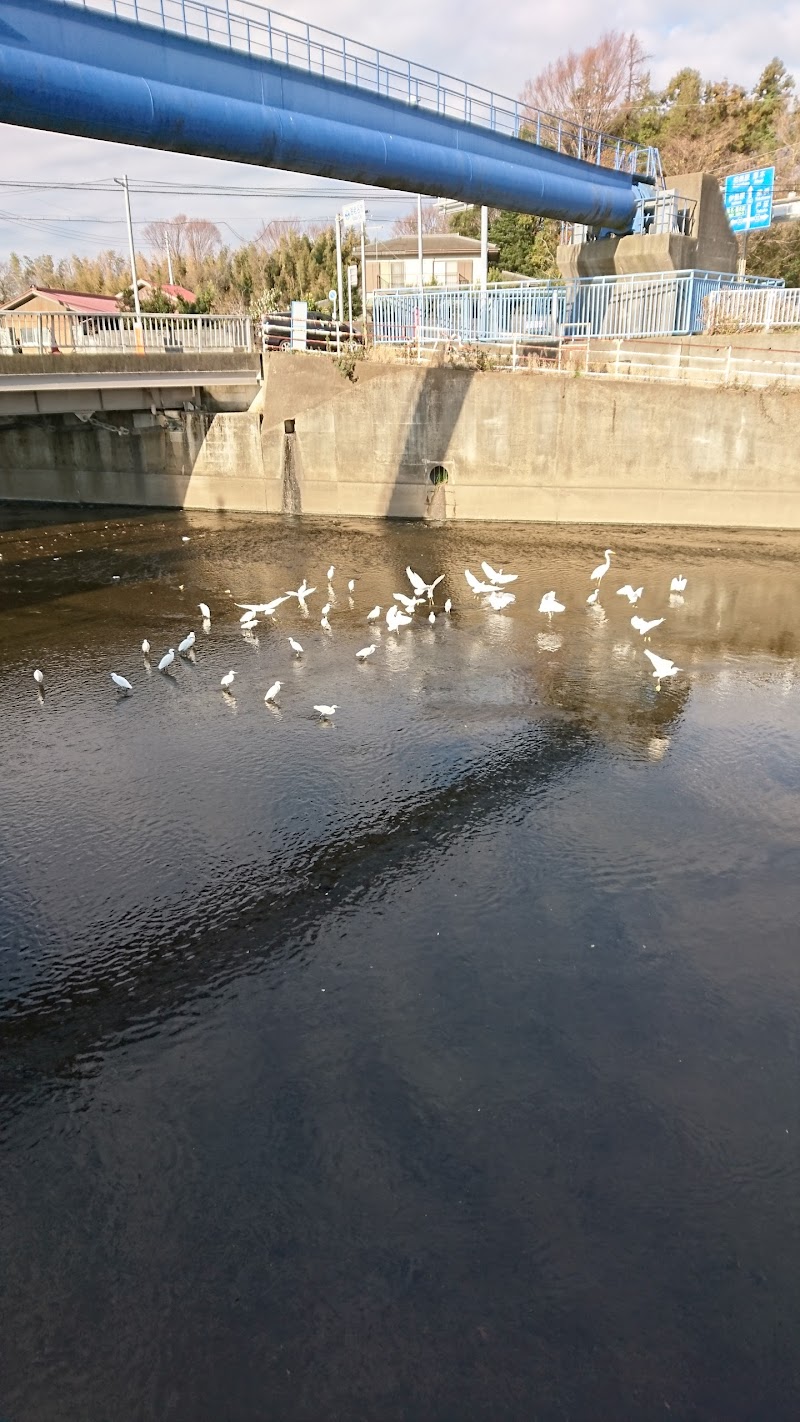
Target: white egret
(121, 683)
(409, 603)
(448, 606)
(268, 608)
(185, 538)
(187, 644)
(295, 646)
(475, 583)
(593, 596)
(272, 691)
(677, 585)
(498, 577)
(632, 594)
(602, 568)
(499, 600)
(325, 624)
(374, 614)
(167, 660)
(326, 609)
(331, 572)
(325, 712)
(205, 611)
(431, 617)
(549, 604)
(366, 652)
(38, 677)
(146, 647)
(643, 627)
(662, 667)
(227, 681)
(421, 588)
(351, 586)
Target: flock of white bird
(492, 590)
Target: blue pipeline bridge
(236, 81)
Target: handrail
(243, 25)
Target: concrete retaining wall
(527, 446)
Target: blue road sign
(748, 199)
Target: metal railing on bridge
(54, 332)
(639, 305)
(268, 34)
(754, 308)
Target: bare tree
(276, 229)
(157, 234)
(591, 88)
(203, 239)
(433, 220)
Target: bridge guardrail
(78, 333)
(283, 39)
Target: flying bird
(498, 599)
(645, 628)
(409, 603)
(121, 683)
(272, 691)
(421, 588)
(498, 577)
(167, 660)
(632, 594)
(475, 583)
(677, 585)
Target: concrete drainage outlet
(438, 474)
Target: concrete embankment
(529, 446)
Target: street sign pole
(340, 302)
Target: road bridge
(235, 81)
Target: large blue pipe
(70, 70)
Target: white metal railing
(643, 304)
(53, 332)
(752, 309)
(268, 34)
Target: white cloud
(723, 38)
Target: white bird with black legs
(121, 683)
(167, 660)
(374, 614)
(331, 572)
(497, 576)
(295, 646)
(600, 571)
(272, 692)
(678, 585)
(325, 713)
(550, 604)
(325, 624)
(38, 677)
(593, 596)
(366, 652)
(448, 605)
(662, 667)
(326, 609)
(632, 594)
(351, 586)
(205, 611)
(187, 644)
(226, 682)
(146, 648)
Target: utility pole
(340, 304)
(484, 278)
(364, 282)
(421, 276)
(137, 325)
(169, 257)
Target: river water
(437, 1062)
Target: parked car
(320, 332)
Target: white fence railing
(53, 332)
(753, 309)
(641, 305)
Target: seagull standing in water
(602, 568)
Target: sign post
(354, 214)
(748, 204)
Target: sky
(498, 48)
